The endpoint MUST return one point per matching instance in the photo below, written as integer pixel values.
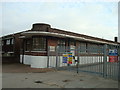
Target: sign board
(52, 48)
(65, 57)
(113, 52)
(72, 49)
(70, 57)
(113, 55)
(113, 58)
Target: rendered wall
(34, 61)
(41, 61)
(20, 58)
(83, 60)
(27, 60)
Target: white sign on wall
(52, 48)
(72, 49)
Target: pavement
(56, 79)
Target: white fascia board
(10, 52)
(51, 34)
(21, 37)
(5, 38)
(30, 33)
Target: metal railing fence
(92, 59)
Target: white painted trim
(30, 33)
(38, 51)
(27, 51)
(10, 52)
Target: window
(100, 49)
(27, 45)
(39, 43)
(94, 48)
(83, 47)
(8, 42)
(12, 41)
(61, 42)
(1, 43)
(61, 45)
(4, 42)
(72, 43)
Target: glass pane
(8, 42)
(39, 43)
(28, 45)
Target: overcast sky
(98, 19)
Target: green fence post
(77, 59)
(56, 57)
(48, 54)
(119, 66)
(105, 61)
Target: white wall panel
(27, 59)
(39, 61)
(20, 58)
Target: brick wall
(36, 53)
(12, 48)
(52, 41)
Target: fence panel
(95, 59)
(113, 61)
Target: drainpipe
(23, 52)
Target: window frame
(83, 46)
(27, 44)
(12, 41)
(8, 42)
(41, 46)
(61, 42)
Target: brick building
(31, 46)
(10, 48)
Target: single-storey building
(31, 46)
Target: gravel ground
(57, 79)
(21, 68)
(22, 76)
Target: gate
(102, 60)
